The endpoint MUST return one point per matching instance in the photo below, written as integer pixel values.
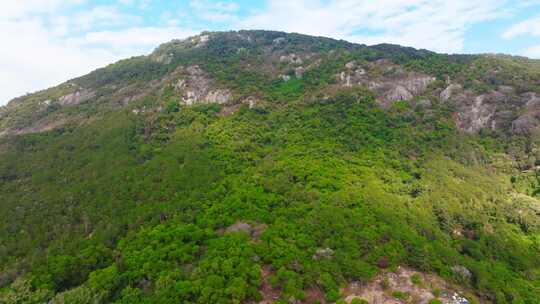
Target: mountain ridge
(157, 63)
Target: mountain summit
(267, 167)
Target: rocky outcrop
(476, 116)
(420, 288)
(398, 93)
(196, 87)
(494, 110)
(76, 97)
(323, 254)
(462, 272)
(252, 230)
(416, 84)
(39, 126)
(388, 81)
(291, 59)
(530, 118)
(447, 93)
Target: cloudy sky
(45, 42)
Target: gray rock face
(197, 87)
(239, 227)
(530, 119)
(201, 40)
(462, 272)
(478, 115)
(279, 40)
(291, 58)
(398, 93)
(76, 97)
(218, 96)
(418, 84)
(254, 231)
(449, 91)
(388, 81)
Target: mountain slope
(228, 165)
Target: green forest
(187, 205)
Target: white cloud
(20, 8)
(434, 24)
(33, 59)
(533, 52)
(50, 41)
(131, 40)
(527, 27)
(44, 47)
(217, 12)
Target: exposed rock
(279, 40)
(40, 126)
(251, 102)
(323, 253)
(398, 93)
(447, 93)
(524, 124)
(180, 84)
(360, 72)
(218, 96)
(197, 87)
(484, 111)
(388, 81)
(457, 299)
(45, 102)
(350, 65)
(299, 72)
(291, 58)
(239, 227)
(532, 100)
(252, 230)
(530, 119)
(506, 89)
(76, 97)
(462, 272)
(477, 116)
(201, 40)
(417, 84)
(381, 289)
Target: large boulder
(398, 93)
(76, 97)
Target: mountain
(261, 167)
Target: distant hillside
(267, 167)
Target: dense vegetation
(143, 208)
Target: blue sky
(46, 42)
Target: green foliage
(416, 279)
(400, 295)
(359, 301)
(136, 208)
(22, 292)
